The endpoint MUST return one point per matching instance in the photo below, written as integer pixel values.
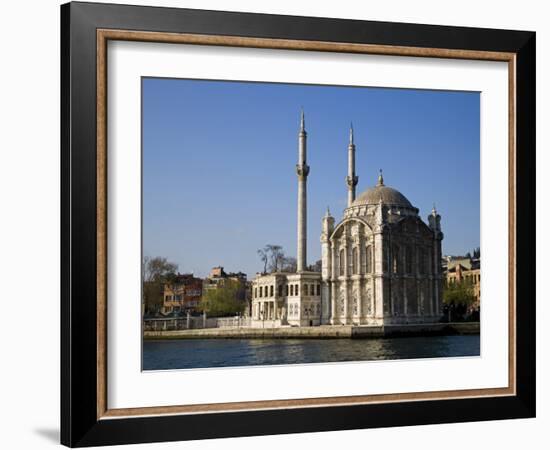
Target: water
(195, 353)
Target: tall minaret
(351, 179)
(302, 170)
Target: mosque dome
(388, 195)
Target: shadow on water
(187, 354)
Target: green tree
(457, 298)
(225, 300)
(155, 273)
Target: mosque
(381, 264)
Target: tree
(262, 253)
(276, 256)
(224, 300)
(457, 298)
(289, 264)
(157, 268)
(272, 256)
(155, 273)
(317, 267)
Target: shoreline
(321, 332)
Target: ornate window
(297, 289)
(368, 259)
(342, 263)
(354, 261)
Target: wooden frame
(86, 418)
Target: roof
(388, 195)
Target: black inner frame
(79, 424)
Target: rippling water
(187, 354)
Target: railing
(189, 323)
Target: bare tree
(289, 264)
(317, 267)
(276, 256)
(263, 254)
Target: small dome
(389, 196)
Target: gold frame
(104, 35)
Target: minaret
(351, 179)
(302, 170)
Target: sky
(219, 161)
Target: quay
(320, 332)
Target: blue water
(195, 353)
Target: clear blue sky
(219, 161)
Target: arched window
(368, 257)
(297, 289)
(342, 263)
(280, 290)
(306, 291)
(261, 290)
(271, 291)
(354, 261)
(255, 292)
(291, 289)
(318, 289)
(395, 259)
(286, 290)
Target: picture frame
(86, 418)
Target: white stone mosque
(380, 263)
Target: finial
(327, 214)
(351, 133)
(380, 179)
(302, 121)
(434, 211)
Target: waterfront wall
(321, 332)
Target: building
(465, 269)
(218, 278)
(379, 265)
(182, 295)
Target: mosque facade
(381, 263)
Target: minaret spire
(302, 170)
(351, 179)
(380, 179)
